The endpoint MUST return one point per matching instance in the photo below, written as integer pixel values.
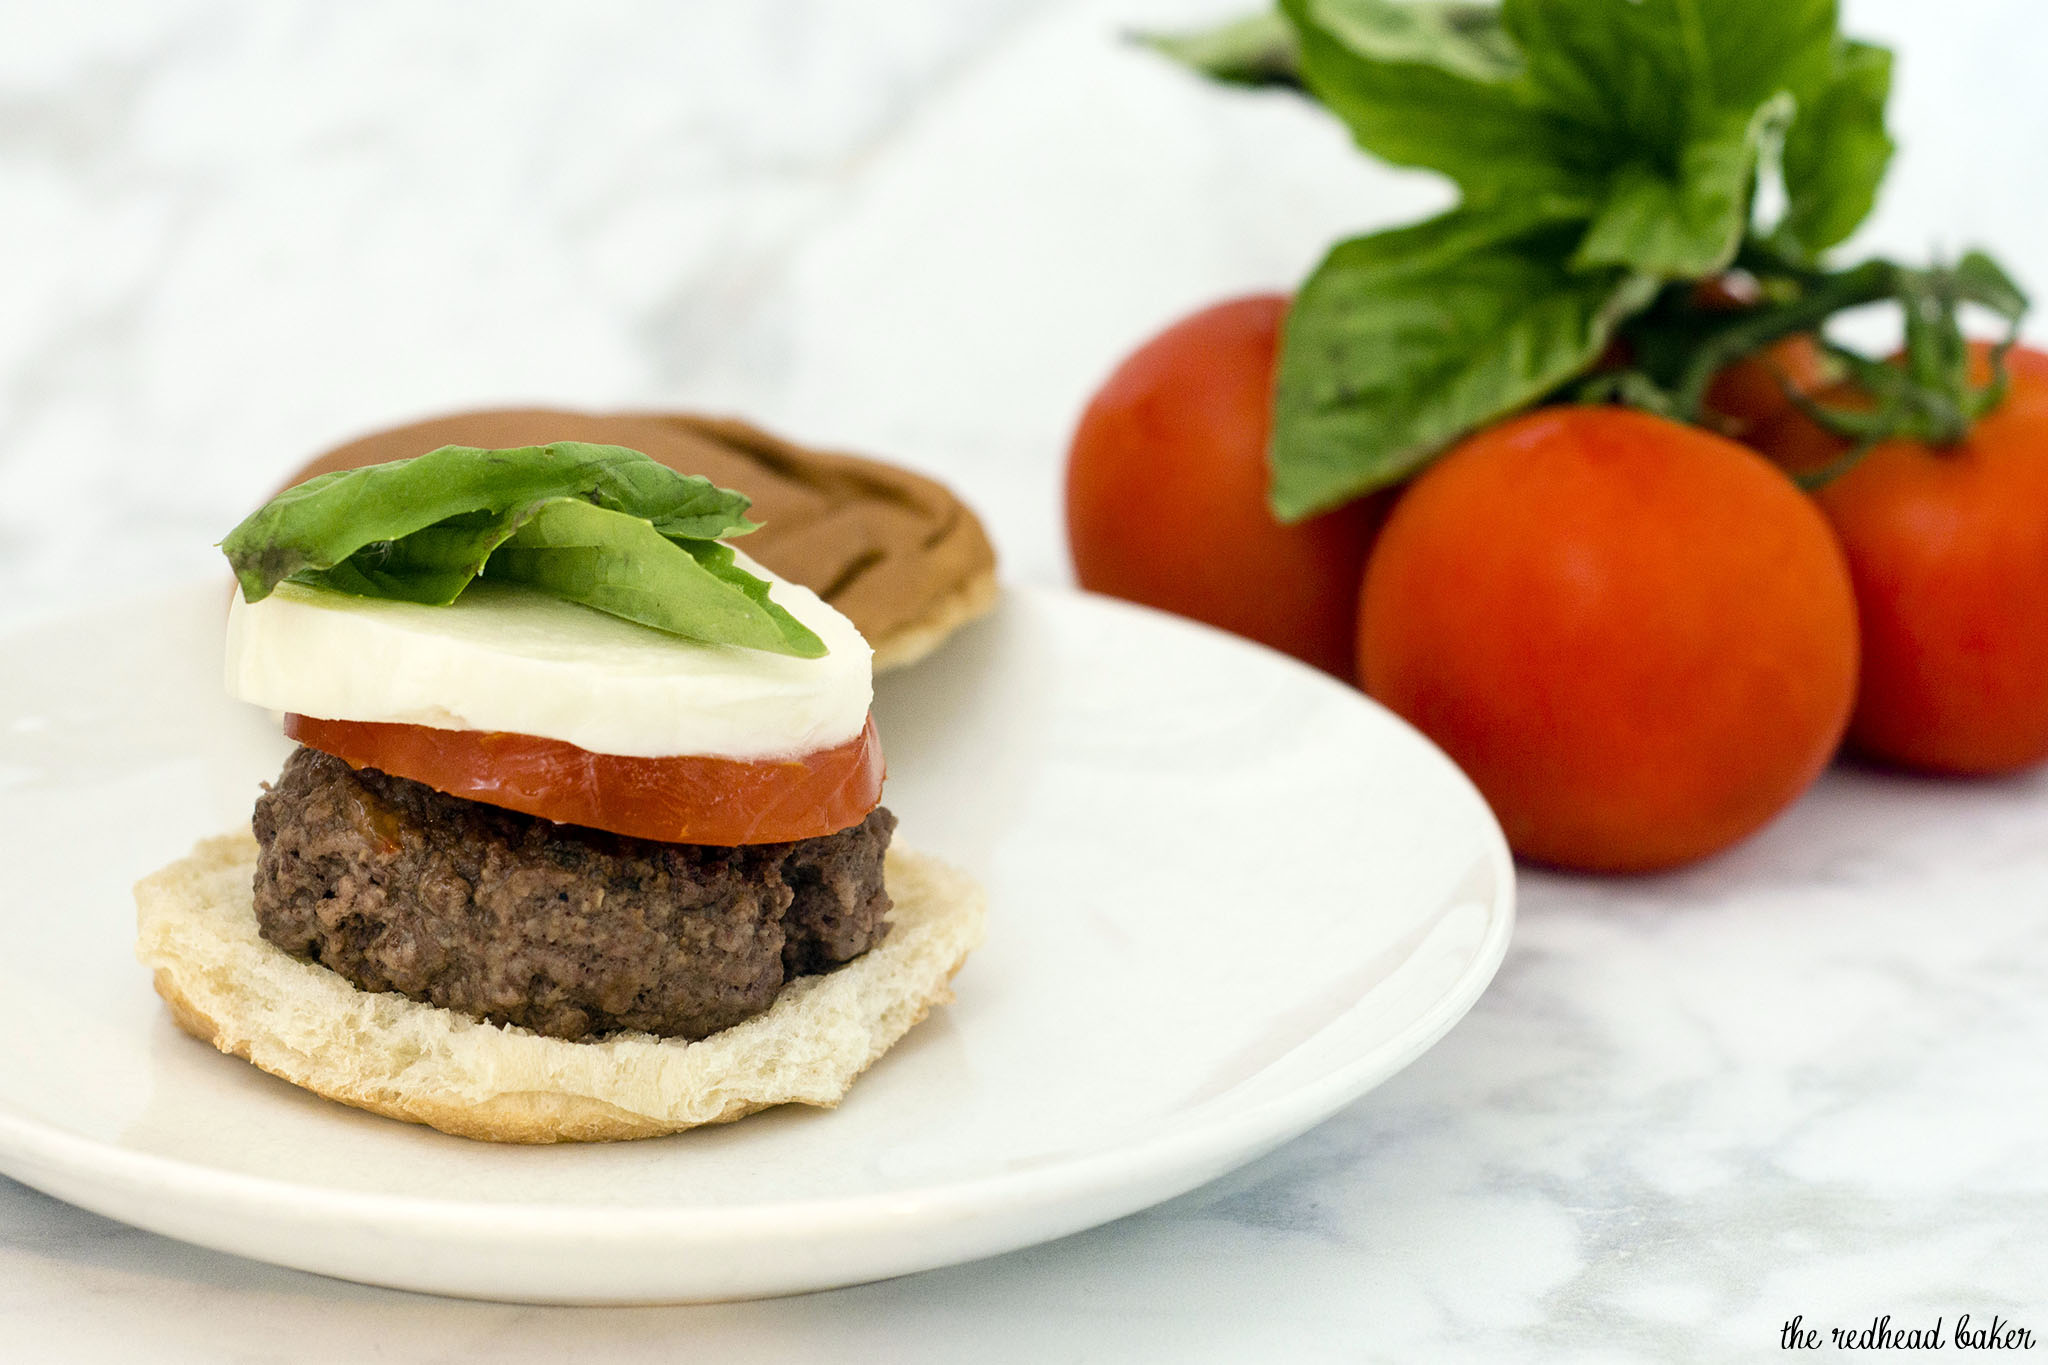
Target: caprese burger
(583, 839)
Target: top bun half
(896, 553)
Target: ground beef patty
(567, 931)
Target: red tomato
(678, 800)
(1637, 638)
(1166, 492)
(1749, 395)
(1949, 551)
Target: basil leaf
(1259, 49)
(1648, 118)
(1462, 39)
(1689, 222)
(1836, 150)
(1602, 149)
(431, 565)
(1439, 86)
(1647, 76)
(326, 520)
(1678, 101)
(1403, 341)
(599, 525)
(622, 565)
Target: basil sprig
(600, 525)
(1607, 155)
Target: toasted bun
(897, 553)
(394, 1056)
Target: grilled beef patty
(567, 931)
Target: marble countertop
(1806, 1078)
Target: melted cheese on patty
(507, 659)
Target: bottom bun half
(383, 1052)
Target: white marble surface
(1806, 1078)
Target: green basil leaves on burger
(598, 525)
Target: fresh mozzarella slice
(513, 660)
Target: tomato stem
(1929, 392)
(1817, 297)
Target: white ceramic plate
(1228, 896)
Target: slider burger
(583, 839)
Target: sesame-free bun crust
(393, 1056)
(895, 552)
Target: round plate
(1228, 895)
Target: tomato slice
(686, 800)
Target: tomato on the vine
(1166, 492)
(1948, 547)
(1755, 392)
(1638, 638)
